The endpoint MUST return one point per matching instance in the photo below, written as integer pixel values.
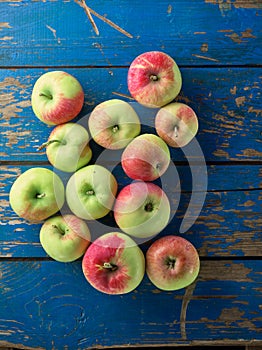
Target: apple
(113, 124)
(154, 79)
(114, 264)
(57, 97)
(172, 263)
(145, 158)
(67, 148)
(65, 238)
(37, 194)
(142, 209)
(91, 191)
(176, 124)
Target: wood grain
(227, 102)
(56, 310)
(194, 33)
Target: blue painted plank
(229, 223)
(50, 305)
(227, 102)
(54, 33)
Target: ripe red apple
(57, 97)
(114, 264)
(172, 263)
(154, 79)
(145, 158)
(142, 209)
(113, 124)
(176, 124)
(65, 238)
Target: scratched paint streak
(186, 299)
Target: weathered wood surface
(217, 43)
(227, 102)
(48, 33)
(230, 222)
(58, 308)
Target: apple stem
(45, 144)
(90, 192)
(41, 195)
(176, 131)
(153, 77)
(109, 266)
(60, 231)
(46, 95)
(115, 128)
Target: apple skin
(176, 124)
(113, 124)
(145, 158)
(67, 148)
(37, 194)
(57, 97)
(172, 263)
(142, 209)
(65, 238)
(91, 191)
(114, 264)
(154, 79)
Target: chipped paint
(240, 100)
(248, 4)
(4, 25)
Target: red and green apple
(142, 209)
(65, 238)
(114, 264)
(67, 148)
(172, 263)
(37, 194)
(57, 97)
(113, 124)
(154, 79)
(146, 158)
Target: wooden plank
(227, 102)
(56, 308)
(193, 32)
(229, 223)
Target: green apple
(113, 124)
(57, 97)
(65, 238)
(37, 194)
(67, 148)
(90, 192)
(114, 264)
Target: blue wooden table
(217, 44)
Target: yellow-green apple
(91, 191)
(142, 209)
(57, 97)
(67, 148)
(65, 238)
(172, 263)
(145, 158)
(176, 124)
(37, 194)
(113, 124)
(154, 79)
(114, 264)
